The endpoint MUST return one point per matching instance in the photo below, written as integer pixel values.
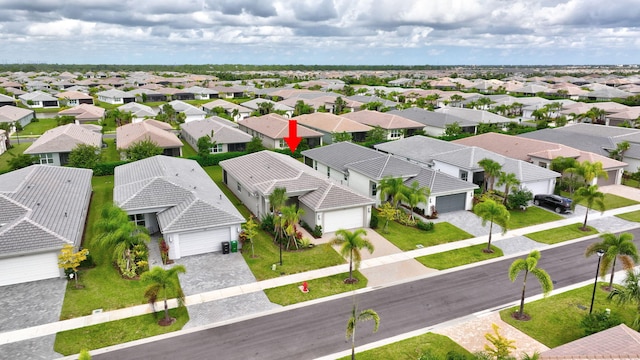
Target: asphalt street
(319, 329)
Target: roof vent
(176, 174)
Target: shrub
(267, 223)
(373, 223)
(214, 159)
(304, 243)
(596, 322)
(519, 199)
(317, 231)
(425, 226)
(102, 169)
(87, 262)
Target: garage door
(29, 268)
(448, 203)
(343, 219)
(203, 241)
(610, 181)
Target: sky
(321, 32)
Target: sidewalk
(366, 265)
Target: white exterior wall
(539, 187)
(632, 164)
(434, 131)
(360, 184)
(111, 100)
(251, 202)
(334, 174)
(191, 118)
(450, 170)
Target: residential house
(618, 342)
(74, 98)
(229, 92)
(324, 202)
(191, 112)
(395, 127)
(139, 112)
(13, 114)
(329, 124)
(115, 97)
(177, 199)
(43, 209)
(6, 100)
(365, 99)
(477, 116)
(273, 128)
(156, 131)
(435, 123)
(254, 105)
(461, 161)
(143, 95)
(39, 99)
(226, 138)
(85, 113)
(200, 93)
(362, 169)
(238, 112)
(541, 153)
(54, 146)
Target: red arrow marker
(293, 140)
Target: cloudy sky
(372, 32)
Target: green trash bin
(234, 246)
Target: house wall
(539, 187)
(334, 174)
(361, 184)
(190, 118)
(251, 202)
(111, 100)
(310, 216)
(450, 170)
(632, 164)
(434, 131)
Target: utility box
(225, 247)
(234, 246)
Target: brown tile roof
(331, 123)
(64, 139)
(73, 95)
(384, 120)
(275, 126)
(619, 342)
(84, 111)
(154, 130)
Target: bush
(519, 199)
(102, 169)
(317, 231)
(87, 262)
(214, 159)
(266, 224)
(373, 223)
(425, 226)
(596, 322)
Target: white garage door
(29, 268)
(343, 219)
(540, 187)
(203, 241)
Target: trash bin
(234, 246)
(225, 247)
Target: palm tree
(614, 247)
(277, 199)
(415, 194)
(629, 293)
(160, 283)
(364, 315)
(590, 171)
(352, 243)
(492, 169)
(510, 182)
(115, 230)
(592, 197)
(291, 216)
(391, 187)
(529, 265)
(493, 212)
(618, 152)
(265, 107)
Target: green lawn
(406, 237)
(110, 153)
(187, 150)
(117, 332)
(532, 216)
(458, 257)
(556, 320)
(39, 127)
(630, 216)
(610, 201)
(560, 234)
(215, 172)
(318, 288)
(413, 348)
(16, 149)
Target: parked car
(557, 203)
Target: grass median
(458, 257)
(560, 234)
(318, 288)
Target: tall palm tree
(510, 182)
(352, 243)
(615, 247)
(391, 187)
(277, 199)
(291, 216)
(364, 315)
(415, 194)
(629, 293)
(491, 169)
(592, 197)
(493, 212)
(161, 282)
(115, 231)
(530, 265)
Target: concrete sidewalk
(391, 259)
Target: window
(217, 148)
(395, 133)
(315, 165)
(346, 176)
(464, 175)
(46, 159)
(542, 164)
(328, 171)
(239, 187)
(138, 219)
(283, 144)
(374, 188)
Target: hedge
(102, 169)
(214, 159)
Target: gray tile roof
(179, 189)
(477, 116)
(338, 155)
(418, 148)
(10, 113)
(43, 207)
(440, 183)
(64, 139)
(183, 107)
(432, 118)
(222, 133)
(37, 96)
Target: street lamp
(599, 253)
(280, 240)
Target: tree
(341, 136)
(364, 315)
(115, 231)
(291, 216)
(618, 152)
(204, 145)
(502, 346)
(492, 212)
(70, 259)
(339, 105)
(84, 156)
(415, 194)
(492, 169)
(265, 107)
(392, 188)
(510, 182)
(143, 149)
(629, 294)
(589, 171)
(388, 213)
(169, 112)
(250, 229)
(352, 243)
(453, 129)
(519, 199)
(254, 145)
(161, 282)
(529, 265)
(596, 115)
(615, 247)
(277, 199)
(22, 161)
(592, 197)
(376, 135)
(301, 108)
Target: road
(319, 330)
